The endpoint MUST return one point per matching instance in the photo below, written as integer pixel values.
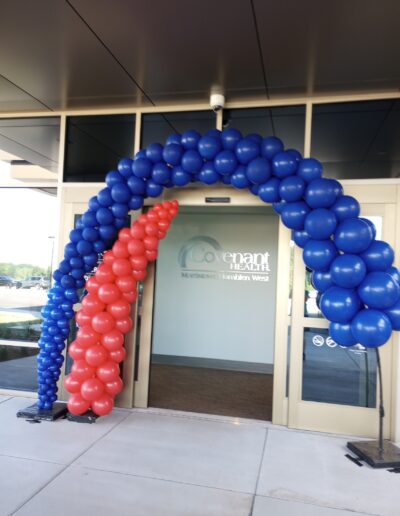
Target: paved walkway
(156, 462)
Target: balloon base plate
(368, 451)
(33, 412)
(87, 417)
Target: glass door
(333, 388)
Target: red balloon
(118, 355)
(119, 309)
(152, 216)
(108, 371)
(166, 205)
(139, 263)
(124, 235)
(151, 229)
(124, 325)
(122, 267)
(142, 219)
(71, 384)
(115, 387)
(81, 371)
(164, 225)
(113, 340)
(163, 214)
(104, 273)
(82, 318)
(108, 293)
(126, 283)
(92, 389)
(157, 207)
(96, 355)
(136, 247)
(151, 256)
(92, 285)
(76, 351)
(161, 234)
(103, 405)
(92, 304)
(77, 405)
(173, 213)
(120, 250)
(130, 296)
(103, 322)
(139, 275)
(151, 243)
(137, 231)
(175, 204)
(86, 336)
(108, 257)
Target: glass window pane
(286, 123)
(157, 127)
(335, 374)
(95, 144)
(29, 150)
(25, 271)
(357, 140)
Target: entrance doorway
(214, 313)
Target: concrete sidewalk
(155, 462)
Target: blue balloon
(294, 214)
(84, 247)
(114, 177)
(215, 133)
(379, 290)
(271, 146)
(309, 169)
(174, 138)
(125, 167)
(104, 216)
(379, 256)
(76, 262)
(296, 154)
(161, 174)
(246, 150)
(321, 280)
(136, 202)
(190, 139)
(320, 223)
(342, 334)
(258, 171)
(90, 234)
(179, 177)
(284, 164)
(394, 315)
(239, 178)
(89, 219)
(346, 207)
(230, 138)
(209, 147)
(107, 232)
(104, 197)
(94, 203)
(137, 185)
(172, 153)
(255, 137)
(371, 328)
(142, 167)
(154, 153)
(64, 266)
(300, 237)
(292, 188)
(208, 174)
(340, 304)
(353, 236)
(319, 254)
(348, 270)
(269, 192)
(394, 272)
(153, 189)
(75, 235)
(226, 179)
(91, 259)
(121, 223)
(120, 211)
(99, 246)
(254, 189)
(321, 193)
(140, 154)
(57, 274)
(70, 250)
(79, 223)
(192, 161)
(120, 192)
(225, 162)
(371, 225)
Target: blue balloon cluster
(352, 271)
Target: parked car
(5, 281)
(33, 282)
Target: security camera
(217, 101)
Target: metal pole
(381, 407)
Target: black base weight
(33, 412)
(87, 417)
(388, 456)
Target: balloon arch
(351, 269)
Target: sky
(27, 218)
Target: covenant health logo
(202, 257)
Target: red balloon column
(104, 318)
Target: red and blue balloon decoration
(358, 285)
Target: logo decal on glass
(203, 257)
